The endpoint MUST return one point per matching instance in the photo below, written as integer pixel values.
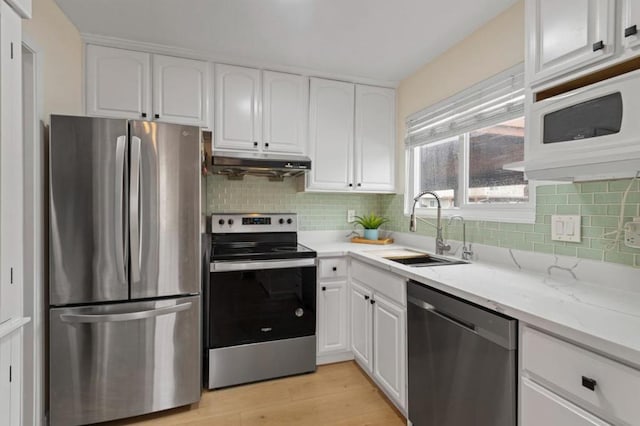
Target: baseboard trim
(333, 358)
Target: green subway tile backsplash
(597, 202)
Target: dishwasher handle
(455, 321)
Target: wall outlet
(632, 233)
(565, 228)
(351, 216)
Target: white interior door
(361, 319)
(118, 83)
(332, 328)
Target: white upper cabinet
(564, 36)
(351, 137)
(284, 110)
(630, 24)
(237, 109)
(331, 132)
(122, 84)
(118, 83)
(180, 89)
(374, 138)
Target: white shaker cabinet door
(630, 25)
(566, 35)
(333, 321)
(331, 129)
(118, 83)
(375, 138)
(180, 89)
(237, 108)
(389, 348)
(284, 111)
(361, 320)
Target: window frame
(497, 212)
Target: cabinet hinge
(11, 50)
(10, 375)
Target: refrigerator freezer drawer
(120, 360)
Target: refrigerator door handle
(120, 237)
(128, 316)
(134, 209)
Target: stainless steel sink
(424, 260)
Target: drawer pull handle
(335, 268)
(629, 31)
(598, 46)
(589, 383)
(324, 288)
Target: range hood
(276, 167)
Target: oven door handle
(224, 266)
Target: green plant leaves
(371, 221)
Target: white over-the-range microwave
(588, 133)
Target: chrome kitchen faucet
(441, 247)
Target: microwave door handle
(134, 209)
(120, 235)
(127, 316)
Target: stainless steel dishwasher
(462, 361)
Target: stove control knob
(221, 222)
(230, 222)
(289, 221)
(281, 221)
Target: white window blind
(494, 100)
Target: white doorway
(34, 238)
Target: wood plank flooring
(337, 394)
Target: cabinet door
(5, 384)
(630, 24)
(375, 138)
(237, 108)
(539, 406)
(284, 111)
(332, 317)
(566, 35)
(180, 89)
(16, 379)
(118, 83)
(361, 318)
(11, 164)
(389, 350)
(331, 135)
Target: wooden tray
(379, 241)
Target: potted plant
(371, 223)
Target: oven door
(259, 301)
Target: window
(459, 147)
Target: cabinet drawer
(335, 267)
(571, 368)
(542, 407)
(386, 283)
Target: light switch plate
(566, 228)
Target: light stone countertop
(560, 295)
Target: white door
(361, 318)
(285, 103)
(11, 164)
(569, 34)
(237, 109)
(375, 138)
(539, 406)
(118, 83)
(332, 317)
(331, 128)
(180, 90)
(389, 350)
(630, 25)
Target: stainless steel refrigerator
(124, 275)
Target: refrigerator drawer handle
(128, 316)
(134, 209)
(121, 146)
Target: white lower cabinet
(11, 379)
(573, 385)
(378, 331)
(333, 310)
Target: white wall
(493, 48)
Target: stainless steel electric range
(260, 300)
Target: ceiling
(383, 40)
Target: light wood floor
(337, 394)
